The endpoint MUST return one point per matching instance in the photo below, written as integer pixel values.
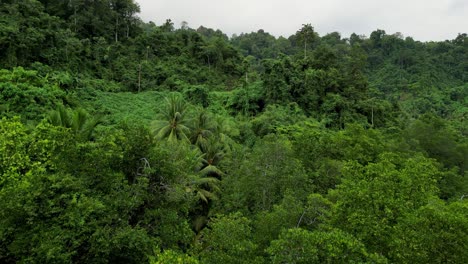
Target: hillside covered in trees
(129, 142)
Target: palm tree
(202, 129)
(213, 153)
(78, 121)
(221, 131)
(173, 124)
(204, 186)
(206, 189)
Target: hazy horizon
(428, 20)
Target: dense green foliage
(129, 142)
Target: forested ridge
(123, 141)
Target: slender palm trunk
(139, 77)
(305, 49)
(116, 29)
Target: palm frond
(207, 180)
(211, 170)
(79, 121)
(172, 123)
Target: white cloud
(422, 19)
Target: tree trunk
(74, 18)
(116, 29)
(128, 29)
(139, 77)
(305, 49)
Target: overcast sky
(423, 20)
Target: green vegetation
(129, 142)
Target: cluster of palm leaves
(173, 123)
(204, 132)
(78, 121)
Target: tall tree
(307, 36)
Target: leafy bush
(24, 92)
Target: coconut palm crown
(173, 123)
